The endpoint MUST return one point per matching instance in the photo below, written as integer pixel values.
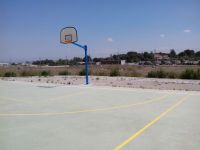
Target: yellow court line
(15, 100)
(85, 110)
(51, 99)
(152, 122)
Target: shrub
(64, 73)
(114, 72)
(190, 74)
(187, 74)
(102, 73)
(157, 74)
(45, 73)
(10, 74)
(161, 74)
(27, 73)
(82, 72)
(134, 73)
(198, 73)
(172, 75)
(152, 74)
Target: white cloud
(162, 35)
(109, 39)
(187, 30)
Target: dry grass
(102, 70)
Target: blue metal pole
(86, 61)
(86, 64)
(79, 45)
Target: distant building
(158, 62)
(110, 62)
(145, 63)
(148, 63)
(141, 62)
(133, 64)
(161, 56)
(81, 63)
(33, 65)
(177, 62)
(123, 62)
(167, 62)
(98, 63)
(4, 64)
(195, 62)
(187, 62)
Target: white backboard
(68, 35)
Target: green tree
(89, 59)
(172, 53)
(197, 54)
(132, 57)
(148, 56)
(187, 54)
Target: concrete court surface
(37, 116)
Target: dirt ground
(130, 82)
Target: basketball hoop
(68, 35)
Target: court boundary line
(88, 110)
(168, 110)
(46, 100)
(14, 99)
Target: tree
(187, 53)
(61, 62)
(197, 54)
(77, 59)
(97, 59)
(132, 57)
(89, 59)
(148, 56)
(44, 62)
(172, 53)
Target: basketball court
(37, 116)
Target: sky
(30, 29)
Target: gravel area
(131, 82)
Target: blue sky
(30, 28)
